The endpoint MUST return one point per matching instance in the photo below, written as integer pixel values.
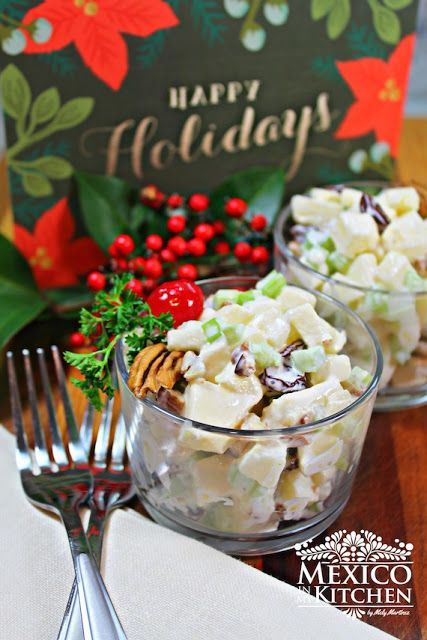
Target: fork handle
(99, 619)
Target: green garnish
(212, 330)
(272, 284)
(336, 261)
(245, 296)
(115, 314)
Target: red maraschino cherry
(183, 299)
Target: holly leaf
(20, 300)
(37, 185)
(338, 18)
(72, 113)
(262, 188)
(104, 202)
(146, 220)
(45, 106)
(53, 167)
(397, 4)
(386, 24)
(320, 8)
(15, 91)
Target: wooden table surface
(389, 495)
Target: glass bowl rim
(269, 433)
(279, 240)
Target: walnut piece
(153, 368)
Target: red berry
(135, 286)
(204, 231)
(196, 247)
(112, 250)
(198, 202)
(178, 245)
(153, 268)
(154, 242)
(258, 222)
(119, 265)
(219, 226)
(152, 196)
(148, 285)
(183, 299)
(259, 255)
(242, 251)
(175, 200)
(96, 281)
(137, 264)
(235, 207)
(124, 245)
(176, 224)
(166, 255)
(222, 248)
(187, 272)
(76, 339)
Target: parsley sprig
(115, 314)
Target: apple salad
(371, 254)
(254, 362)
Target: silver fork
(112, 488)
(62, 486)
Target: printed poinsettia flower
(56, 259)
(95, 27)
(379, 87)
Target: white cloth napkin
(164, 586)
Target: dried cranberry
(283, 379)
(368, 205)
(244, 361)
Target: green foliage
(150, 49)
(36, 185)
(338, 18)
(114, 314)
(262, 188)
(386, 22)
(325, 66)
(16, 94)
(397, 4)
(61, 62)
(209, 19)
(321, 8)
(363, 42)
(20, 300)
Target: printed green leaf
(338, 18)
(36, 185)
(20, 301)
(105, 207)
(320, 8)
(73, 113)
(397, 4)
(16, 92)
(53, 167)
(45, 106)
(387, 24)
(262, 188)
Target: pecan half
(154, 367)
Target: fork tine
(119, 445)
(58, 449)
(103, 437)
(86, 428)
(41, 452)
(23, 458)
(75, 446)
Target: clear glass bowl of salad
(365, 244)
(255, 444)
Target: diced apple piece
(211, 479)
(293, 486)
(322, 452)
(234, 314)
(192, 366)
(215, 355)
(330, 195)
(291, 297)
(215, 404)
(342, 290)
(401, 199)
(350, 199)
(363, 269)
(252, 422)
(338, 366)
(264, 462)
(294, 408)
(314, 330)
(338, 400)
(408, 235)
(322, 482)
(310, 211)
(354, 233)
(392, 270)
(188, 337)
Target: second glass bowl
(186, 472)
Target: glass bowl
(186, 472)
(389, 313)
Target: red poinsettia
(379, 87)
(94, 26)
(55, 258)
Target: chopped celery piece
(225, 296)
(359, 379)
(337, 261)
(234, 333)
(328, 244)
(376, 301)
(308, 360)
(265, 356)
(272, 284)
(414, 282)
(245, 296)
(212, 330)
